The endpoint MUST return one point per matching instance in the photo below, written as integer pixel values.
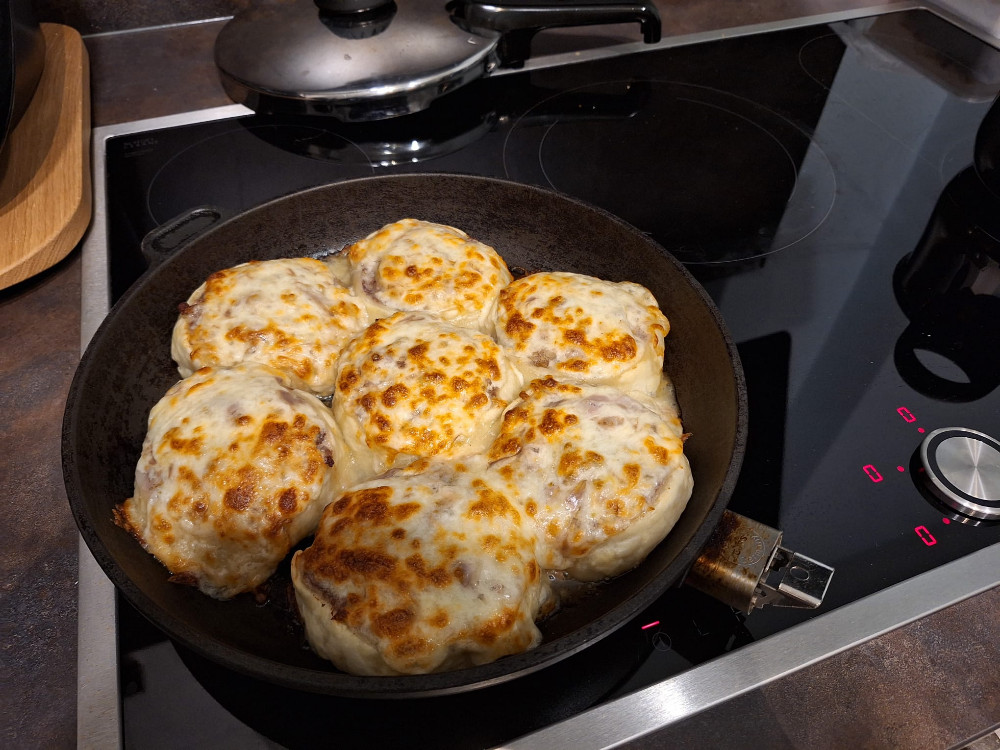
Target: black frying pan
(127, 368)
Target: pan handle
(745, 566)
(171, 236)
(519, 21)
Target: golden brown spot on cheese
(620, 350)
(243, 420)
(477, 402)
(373, 510)
(404, 510)
(287, 502)
(504, 447)
(242, 495)
(466, 279)
(419, 351)
(459, 384)
(496, 626)
(615, 507)
(348, 378)
(439, 619)
(364, 562)
(572, 461)
(490, 367)
(632, 474)
(531, 508)
(438, 576)
(185, 474)
(575, 365)
(393, 393)
(661, 454)
(554, 421)
(191, 446)
(410, 647)
(490, 504)
(518, 328)
(394, 623)
(273, 432)
(398, 533)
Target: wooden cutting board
(45, 190)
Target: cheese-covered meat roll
(414, 386)
(426, 570)
(235, 469)
(602, 473)
(415, 265)
(289, 313)
(583, 329)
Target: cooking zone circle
(247, 160)
(733, 180)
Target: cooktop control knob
(962, 469)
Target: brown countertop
(933, 683)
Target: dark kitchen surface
(933, 683)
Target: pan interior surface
(127, 368)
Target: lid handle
(518, 22)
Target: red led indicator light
(906, 414)
(900, 468)
(649, 625)
(925, 536)
(946, 521)
(920, 430)
(872, 473)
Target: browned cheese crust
(413, 265)
(582, 329)
(601, 472)
(235, 469)
(290, 313)
(413, 386)
(426, 570)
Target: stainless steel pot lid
(365, 60)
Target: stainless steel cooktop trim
(98, 716)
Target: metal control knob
(962, 469)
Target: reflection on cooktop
(723, 171)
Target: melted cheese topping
(289, 313)
(428, 570)
(583, 329)
(416, 265)
(235, 469)
(602, 474)
(414, 386)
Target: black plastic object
(22, 59)
(127, 368)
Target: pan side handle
(171, 236)
(745, 566)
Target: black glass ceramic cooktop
(820, 182)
